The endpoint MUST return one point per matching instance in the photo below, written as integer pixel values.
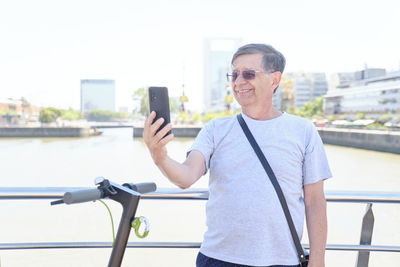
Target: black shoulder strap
(276, 185)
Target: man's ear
(276, 78)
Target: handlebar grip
(80, 196)
(142, 188)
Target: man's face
(255, 93)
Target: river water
(117, 156)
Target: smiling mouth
(243, 91)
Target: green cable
(112, 221)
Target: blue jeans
(204, 261)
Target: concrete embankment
(48, 132)
(178, 131)
(385, 141)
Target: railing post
(366, 236)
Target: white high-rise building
(307, 87)
(97, 95)
(303, 88)
(217, 61)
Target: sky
(48, 46)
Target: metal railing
(364, 247)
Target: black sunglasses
(246, 74)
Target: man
(246, 224)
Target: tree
(141, 97)
(57, 112)
(105, 115)
(360, 116)
(312, 109)
(48, 115)
(99, 115)
(385, 118)
(292, 109)
(71, 115)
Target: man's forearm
(317, 231)
(177, 173)
(317, 224)
(183, 174)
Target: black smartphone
(159, 102)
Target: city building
(346, 79)
(340, 78)
(298, 88)
(9, 105)
(97, 95)
(13, 111)
(374, 96)
(217, 62)
(369, 73)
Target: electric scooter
(128, 195)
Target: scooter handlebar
(84, 195)
(142, 188)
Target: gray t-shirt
(245, 221)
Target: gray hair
(272, 61)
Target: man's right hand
(156, 143)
